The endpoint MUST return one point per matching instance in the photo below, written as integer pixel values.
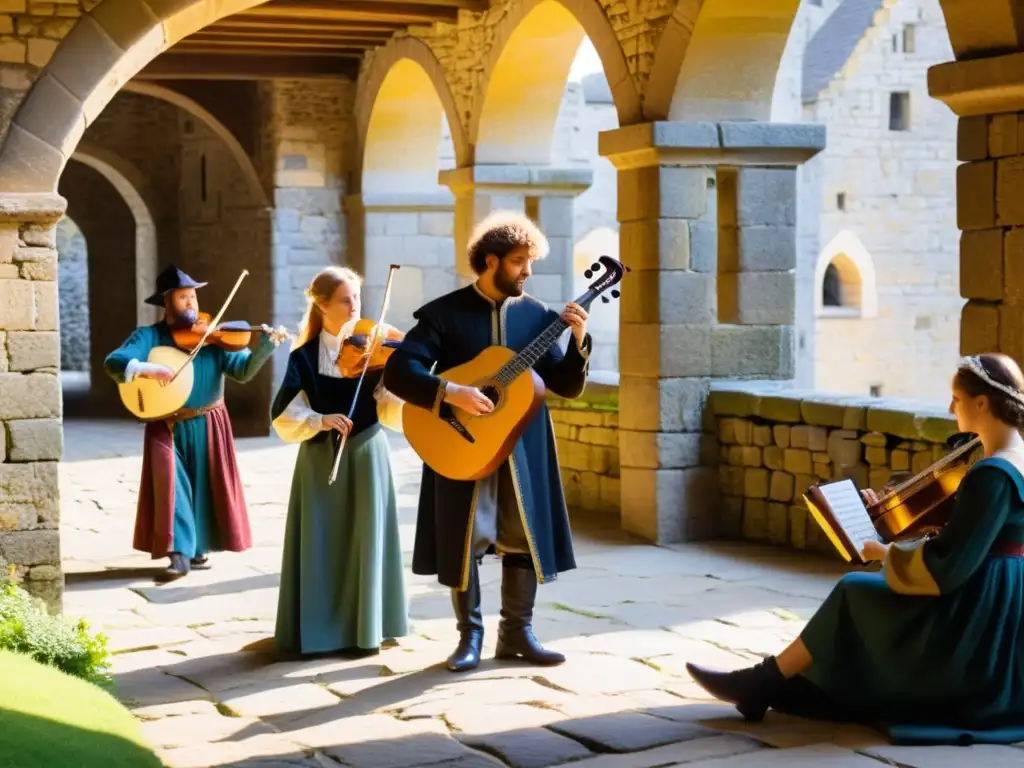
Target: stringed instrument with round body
(461, 446)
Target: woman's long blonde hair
(321, 289)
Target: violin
(355, 357)
(232, 336)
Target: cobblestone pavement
(191, 659)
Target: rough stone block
(892, 421)
(29, 396)
(1009, 201)
(799, 436)
(755, 483)
(766, 196)
(47, 312)
(749, 350)
(29, 350)
(979, 328)
(39, 547)
(750, 456)
(762, 435)
(662, 405)
(1011, 273)
(774, 457)
(662, 192)
(817, 439)
(8, 244)
(782, 435)
(17, 305)
(734, 402)
(669, 505)
(660, 244)
(972, 138)
(766, 248)
(755, 520)
(797, 461)
(669, 351)
(744, 432)
(1002, 135)
(17, 517)
(900, 461)
(659, 450)
(781, 487)
(798, 522)
(35, 440)
(976, 195)
(37, 263)
(981, 263)
(844, 449)
(731, 521)
(757, 298)
(669, 297)
(778, 523)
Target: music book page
(844, 510)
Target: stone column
(413, 230)
(987, 93)
(708, 226)
(30, 399)
(543, 193)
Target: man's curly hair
(502, 232)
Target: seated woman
(937, 637)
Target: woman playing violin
(342, 579)
(936, 639)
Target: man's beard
(507, 285)
(185, 320)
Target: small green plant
(27, 627)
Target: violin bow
(378, 334)
(213, 324)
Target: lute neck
(533, 352)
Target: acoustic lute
(461, 446)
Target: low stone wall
(769, 445)
(587, 436)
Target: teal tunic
(195, 526)
(936, 640)
(342, 574)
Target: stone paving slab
(194, 665)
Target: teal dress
(932, 648)
(342, 573)
(194, 528)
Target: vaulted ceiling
(297, 38)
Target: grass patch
(49, 718)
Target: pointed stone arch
(513, 119)
(855, 272)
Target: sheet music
(849, 511)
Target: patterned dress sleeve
(292, 417)
(942, 564)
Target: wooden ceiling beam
(403, 13)
(267, 49)
(299, 38)
(217, 66)
(287, 25)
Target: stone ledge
(440, 200)
(979, 86)
(774, 401)
(36, 208)
(548, 179)
(740, 143)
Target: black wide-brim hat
(171, 279)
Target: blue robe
(450, 331)
(198, 526)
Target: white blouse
(299, 422)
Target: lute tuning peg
(615, 293)
(588, 274)
(605, 299)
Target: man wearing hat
(190, 497)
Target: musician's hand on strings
(277, 335)
(869, 497)
(160, 373)
(576, 317)
(337, 421)
(874, 550)
(469, 399)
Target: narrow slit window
(899, 111)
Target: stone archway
(514, 118)
(688, 81)
(400, 213)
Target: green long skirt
(342, 577)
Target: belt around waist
(189, 413)
(1007, 549)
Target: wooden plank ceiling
(297, 38)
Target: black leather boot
(470, 623)
(752, 690)
(515, 633)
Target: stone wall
(771, 446)
(30, 409)
(72, 281)
(587, 439)
(900, 332)
(768, 446)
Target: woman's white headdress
(973, 364)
